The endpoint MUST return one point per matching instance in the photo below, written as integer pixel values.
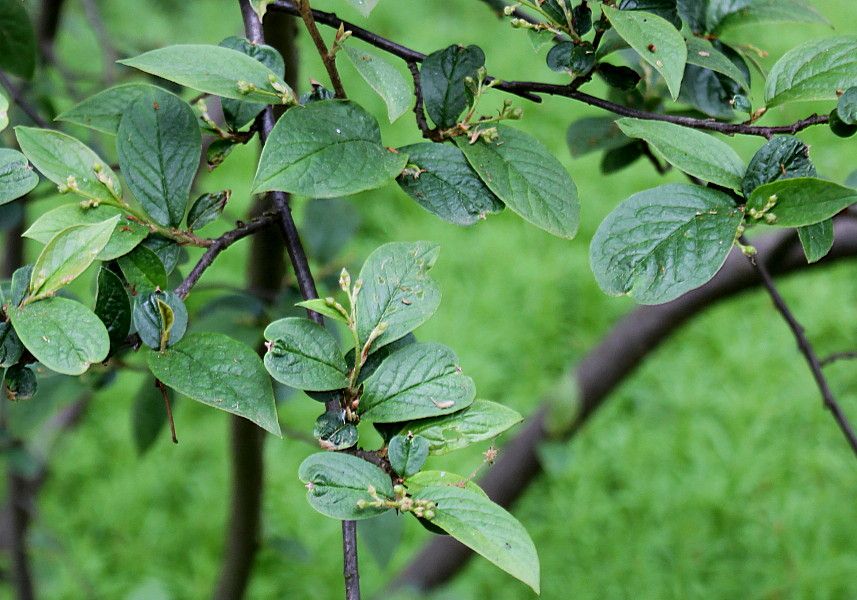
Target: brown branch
(327, 57)
(419, 110)
(625, 347)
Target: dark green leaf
(782, 157)
(335, 137)
(68, 162)
(839, 127)
(16, 175)
(304, 355)
(214, 70)
(318, 93)
(333, 432)
(236, 112)
(143, 270)
(328, 225)
(21, 383)
(847, 106)
(420, 380)
(337, 482)
(103, 111)
(749, 12)
(526, 176)
(17, 39)
(10, 346)
(397, 290)
(149, 415)
(576, 59)
(816, 239)
(616, 159)
(813, 71)
(623, 78)
(160, 318)
(113, 307)
(799, 201)
(663, 242)
(206, 209)
(594, 133)
(20, 284)
(480, 421)
(62, 334)
(159, 146)
(218, 371)
(581, 18)
(665, 9)
(704, 54)
(167, 250)
(710, 91)
(217, 152)
(384, 79)
(442, 75)
(408, 453)
(441, 180)
(486, 529)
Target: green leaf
(766, 11)
(480, 421)
(260, 7)
(17, 40)
(218, 371)
(62, 334)
(126, 236)
(572, 58)
(703, 53)
(159, 147)
(20, 286)
(426, 479)
(662, 8)
(16, 175)
(334, 137)
(206, 209)
(143, 270)
(441, 180)
(167, 250)
(485, 528)
(113, 307)
(10, 346)
(813, 71)
(68, 162)
(694, 152)
(364, 7)
(442, 77)
(663, 242)
(408, 453)
(21, 383)
(4, 112)
(800, 201)
(238, 113)
(524, 174)
(384, 79)
(420, 380)
(622, 157)
(149, 415)
(782, 157)
(304, 355)
(324, 306)
(816, 239)
(214, 70)
(333, 432)
(655, 40)
(337, 482)
(846, 108)
(68, 255)
(327, 227)
(397, 290)
(591, 134)
(160, 318)
(103, 111)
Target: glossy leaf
(655, 40)
(127, 234)
(591, 134)
(485, 528)
(68, 162)
(207, 209)
(663, 242)
(442, 77)
(800, 201)
(691, 151)
(397, 290)
(420, 380)
(526, 176)
(143, 270)
(782, 157)
(103, 111)
(334, 137)
(21, 383)
(408, 453)
(304, 355)
(441, 180)
(113, 307)
(160, 318)
(384, 79)
(62, 334)
(17, 40)
(846, 108)
(333, 432)
(813, 71)
(68, 255)
(337, 482)
(213, 70)
(218, 371)
(10, 346)
(425, 479)
(159, 145)
(238, 113)
(568, 57)
(364, 7)
(703, 53)
(480, 421)
(816, 239)
(17, 177)
(750, 12)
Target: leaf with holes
(800, 201)
(480, 421)
(813, 71)
(16, 175)
(384, 79)
(304, 355)
(337, 482)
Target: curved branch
(625, 347)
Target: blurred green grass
(713, 472)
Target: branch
(604, 368)
(419, 111)
(837, 357)
(327, 57)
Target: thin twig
(806, 349)
(419, 110)
(327, 57)
(22, 103)
(160, 385)
(829, 360)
